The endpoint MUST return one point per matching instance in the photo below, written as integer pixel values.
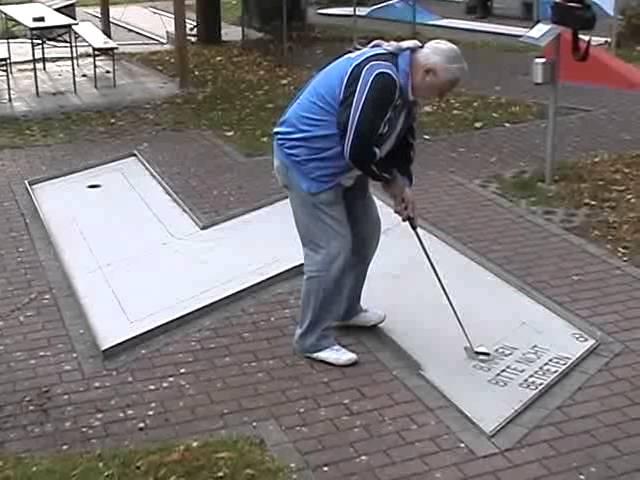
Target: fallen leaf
(224, 455)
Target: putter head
(480, 354)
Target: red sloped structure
(601, 68)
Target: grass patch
(608, 185)
(462, 112)
(239, 94)
(630, 55)
(231, 11)
(529, 187)
(233, 459)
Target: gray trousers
(339, 230)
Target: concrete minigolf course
(137, 261)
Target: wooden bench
(100, 44)
(4, 67)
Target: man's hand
(405, 205)
(402, 196)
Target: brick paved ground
(232, 368)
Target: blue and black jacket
(356, 112)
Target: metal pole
(6, 29)
(553, 102)
(354, 23)
(414, 29)
(35, 65)
(181, 42)
(284, 28)
(73, 65)
(242, 22)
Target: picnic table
(38, 18)
(99, 43)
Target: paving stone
(530, 453)
(401, 470)
(412, 450)
(579, 458)
(449, 473)
(524, 472)
(625, 464)
(345, 437)
(384, 443)
(306, 446)
(485, 465)
(327, 456)
(628, 445)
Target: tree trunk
(105, 17)
(209, 17)
(182, 59)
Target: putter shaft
(414, 227)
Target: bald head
(436, 69)
(443, 55)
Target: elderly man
(352, 123)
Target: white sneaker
(366, 318)
(335, 355)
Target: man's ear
(430, 72)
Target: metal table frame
(34, 31)
(5, 66)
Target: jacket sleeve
(400, 157)
(377, 90)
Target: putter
(479, 352)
